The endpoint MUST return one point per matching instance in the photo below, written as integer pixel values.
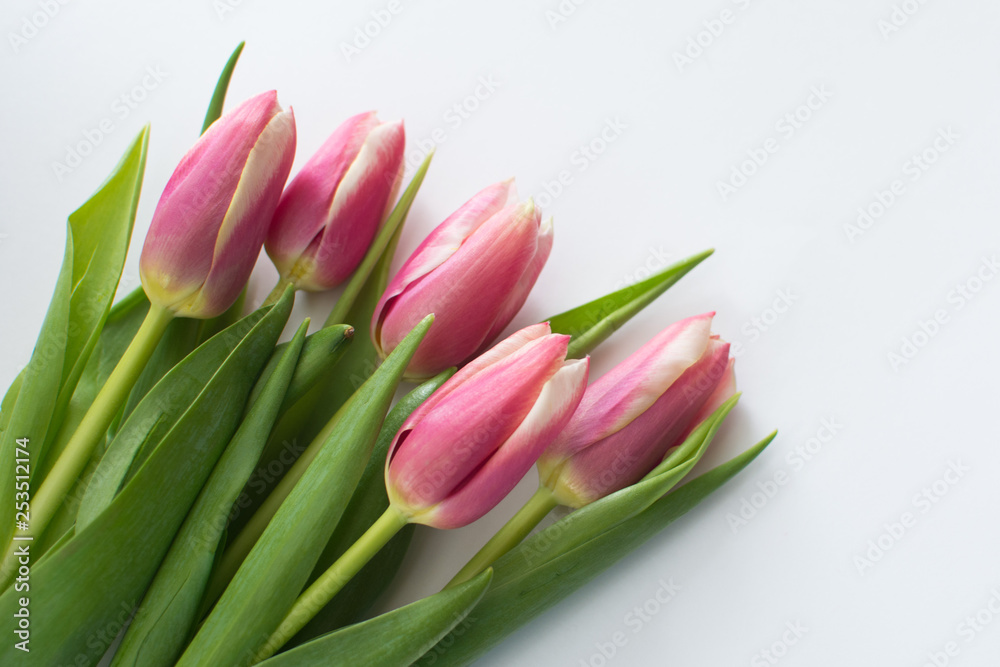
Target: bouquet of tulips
(165, 512)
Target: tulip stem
(508, 537)
(335, 578)
(92, 428)
(277, 292)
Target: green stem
(508, 537)
(88, 434)
(276, 293)
(330, 582)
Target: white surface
(652, 192)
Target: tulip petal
(629, 389)
(465, 293)
(488, 485)
(358, 206)
(447, 237)
(504, 348)
(528, 279)
(303, 209)
(175, 258)
(625, 456)
(245, 225)
(433, 455)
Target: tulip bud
(210, 222)
(470, 443)
(474, 272)
(632, 416)
(330, 212)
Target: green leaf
(97, 239)
(533, 577)
(592, 323)
(156, 415)
(379, 642)
(85, 590)
(160, 629)
(367, 504)
(320, 353)
(273, 574)
(219, 96)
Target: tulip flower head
(632, 416)
(211, 220)
(474, 272)
(330, 212)
(469, 444)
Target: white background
(782, 237)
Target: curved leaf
(533, 577)
(396, 638)
(93, 581)
(97, 239)
(592, 323)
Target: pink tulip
(210, 223)
(330, 212)
(473, 272)
(631, 417)
(466, 447)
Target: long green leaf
(158, 632)
(534, 577)
(367, 504)
(307, 417)
(97, 239)
(273, 574)
(379, 643)
(86, 588)
(219, 95)
(593, 322)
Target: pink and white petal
(629, 389)
(524, 286)
(446, 239)
(501, 350)
(488, 485)
(302, 212)
(355, 214)
(627, 455)
(176, 257)
(464, 293)
(245, 225)
(431, 457)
